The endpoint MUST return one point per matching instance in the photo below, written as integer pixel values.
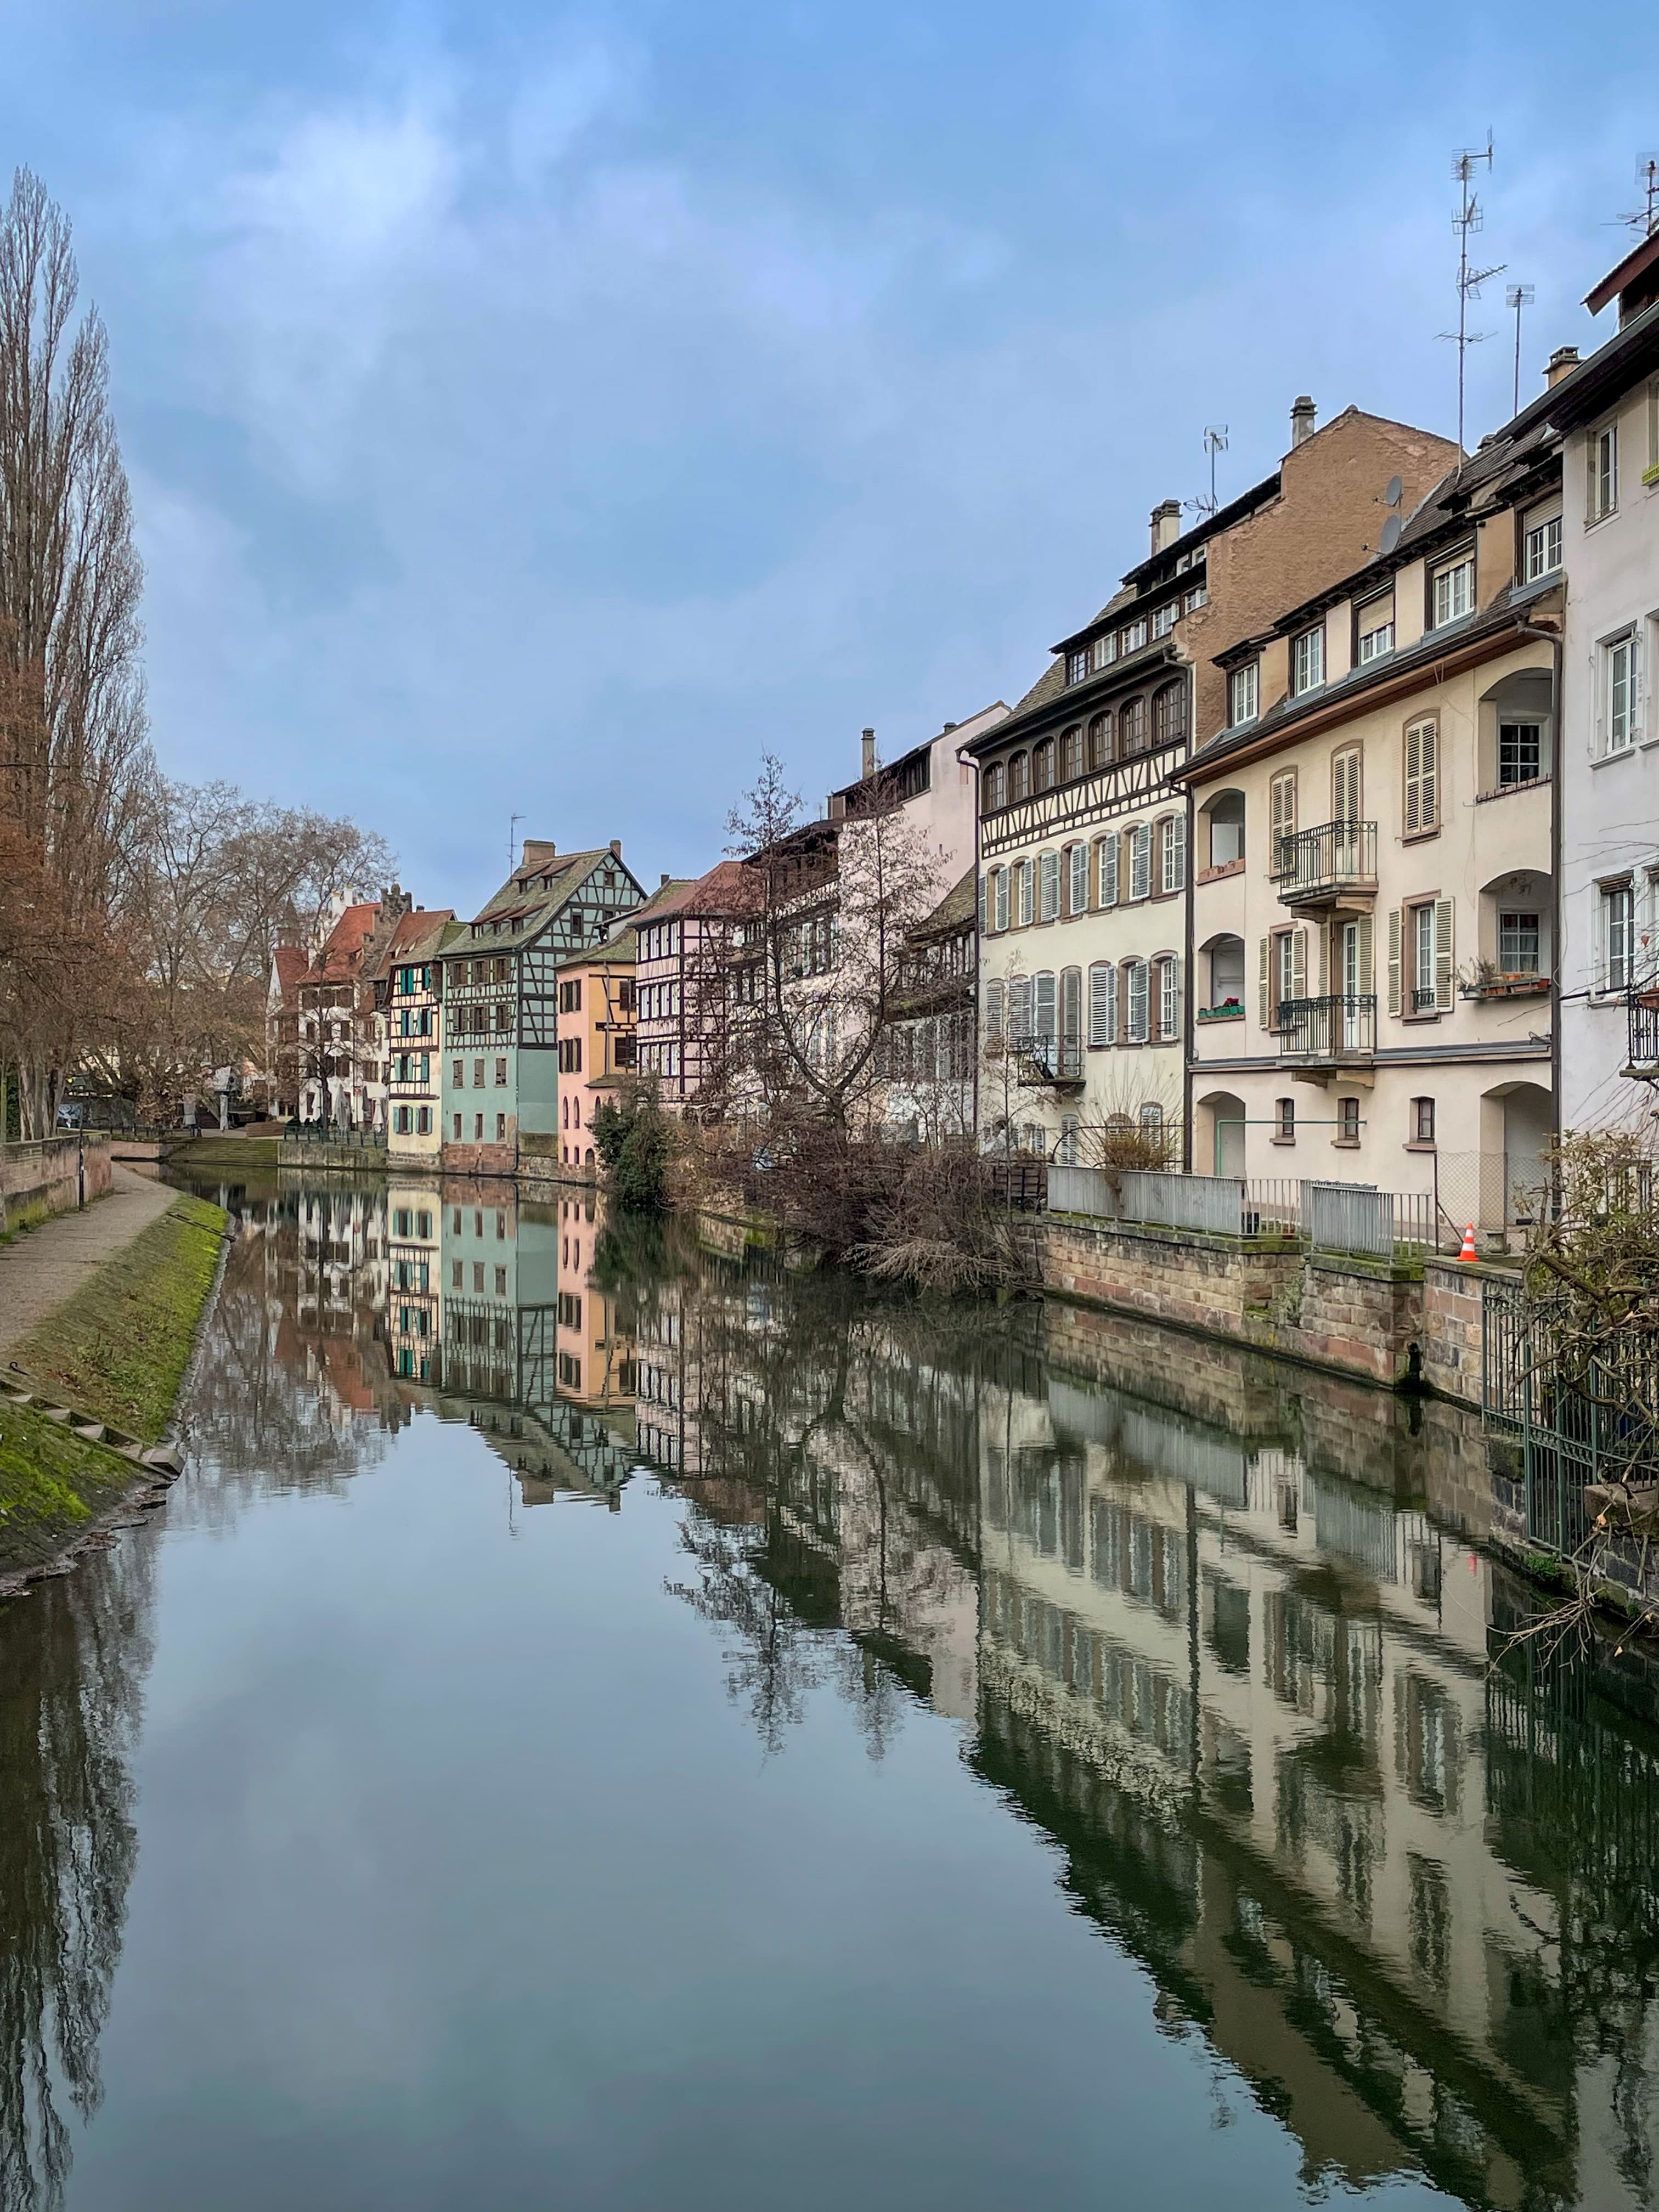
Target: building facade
(597, 1049)
(683, 978)
(1374, 881)
(405, 979)
(340, 1077)
(500, 1077)
(1083, 834)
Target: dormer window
(1043, 766)
(1373, 628)
(1452, 589)
(1019, 776)
(1164, 620)
(1077, 665)
(1244, 693)
(1133, 636)
(996, 781)
(1106, 649)
(1198, 597)
(1541, 547)
(1308, 659)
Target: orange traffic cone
(1468, 1252)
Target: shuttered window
(1045, 1023)
(1103, 1004)
(1140, 861)
(1106, 867)
(1394, 930)
(1019, 1008)
(1071, 1005)
(1002, 898)
(984, 903)
(1139, 983)
(1078, 874)
(1173, 874)
(1442, 955)
(1027, 893)
(1422, 777)
(1049, 877)
(1169, 998)
(993, 1010)
(1346, 785)
(1282, 800)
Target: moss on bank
(51, 1484)
(118, 1348)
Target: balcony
(1643, 1007)
(1045, 1061)
(1321, 867)
(1335, 1031)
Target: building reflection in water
(1223, 1638)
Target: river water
(603, 1723)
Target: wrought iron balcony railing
(1343, 1027)
(1643, 1006)
(1318, 864)
(1047, 1060)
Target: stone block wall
(43, 1178)
(1452, 1325)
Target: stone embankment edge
(160, 1465)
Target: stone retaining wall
(43, 1178)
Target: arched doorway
(1219, 1135)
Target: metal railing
(1352, 1217)
(1272, 1207)
(1342, 1026)
(1643, 1007)
(1049, 1059)
(1335, 856)
(350, 1134)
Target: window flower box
(1496, 985)
(1229, 1010)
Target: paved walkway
(40, 1269)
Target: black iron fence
(1048, 1059)
(1643, 1011)
(1333, 857)
(1341, 1026)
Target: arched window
(1100, 741)
(1132, 728)
(1103, 1004)
(996, 784)
(1071, 754)
(1043, 766)
(1019, 777)
(1152, 1127)
(1169, 715)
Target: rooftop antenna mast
(1215, 442)
(1467, 219)
(512, 842)
(1644, 220)
(1518, 296)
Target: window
(1071, 1008)
(994, 1003)
(1225, 816)
(1618, 939)
(1422, 1122)
(1103, 1004)
(1373, 625)
(477, 1074)
(999, 878)
(1541, 550)
(1281, 798)
(1164, 620)
(996, 787)
(1169, 1001)
(1043, 766)
(1141, 862)
(1132, 727)
(1284, 1121)
(1071, 754)
(1077, 665)
(1520, 751)
(1139, 994)
(1078, 875)
(1307, 660)
(1244, 693)
(1172, 870)
(1601, 486)
(1619, 694)
(1169, 715)
(423, 1121)
(1106, 650)
(477, 1132)
(1133, 636)
(501, 1073)
(1518, 939)
(1348, 1121)
(1100, 741)
(1422, 777)
(1452, 590)
(1429, 956)
(1019, 776)
(458, 1070)
(1198, 597)
(1106, 868)
(1048, 880)
(1026, 871)
(1289, 977)
(458, 1128)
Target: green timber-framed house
(501, 1079)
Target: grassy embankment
(116, 1351)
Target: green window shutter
(1394, 960)
(1442, 955)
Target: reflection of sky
(633, 386)
(461, 1880)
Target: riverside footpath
(43, 1269)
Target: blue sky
(542, 411)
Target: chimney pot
(535, 850)
(1562, 362)
(1304, 419)
(616, 846)
(662, 885)
(869, 768)
(1166, 524)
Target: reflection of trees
(72, 1659)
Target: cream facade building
(1374, 879)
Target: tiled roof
(955, 911)
(290, 963)
(342, 952)
(729, 888)
(549, 883)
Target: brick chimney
(869, 768)
(615, 847)
(1166, 524)
(535, 850)
(1562, 362)
(1304, 419)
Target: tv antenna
(512, 842)
(1644, 220)
(1518, 296)
(1467, 220)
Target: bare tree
(73, 751)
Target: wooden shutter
(1422, 777)
(1140, 861)
(1071, 1005)
(1103, 1004)
(1045, 1023)
(1139, 979)
(1367, 956)
(993, 1010)
(1175, 852)
(1298, 963)
(1019, 1008)
(1265, 1010)
(1283, 802)
(1107, 848)
(1442, 955)
(984, 903)
(1048, 901)
(1346, 785)
(1396, 924)
(1002, 898)
(1079, 879)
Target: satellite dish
(1391, 530)
(1394, 493)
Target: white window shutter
(1109, 861)
(1394, 925)
(1442, 955)
(1103, 1004)
(1071, 1005)
(1265, 1010)
(993, 1010)
(1019, 1009)
(1298, 963)
(1045, 1023)
(1367, 971)
(984, 903)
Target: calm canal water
(604, 1724)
